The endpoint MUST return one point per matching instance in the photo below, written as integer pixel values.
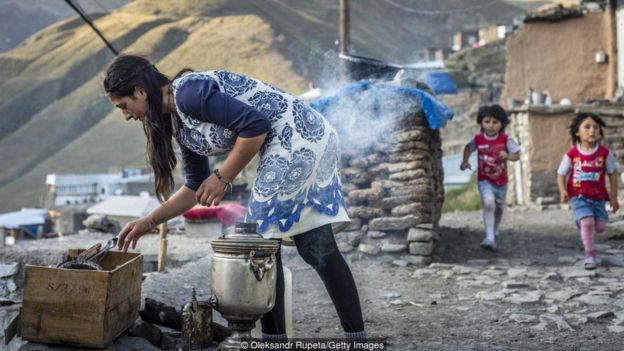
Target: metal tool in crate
(88, 259)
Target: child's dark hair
(495, 111)
(576, 124)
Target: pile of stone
(395, 192)
(8, 286)
(100, 223)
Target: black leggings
(318, 248)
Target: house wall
(559, 57)
(70, 221)
(619, 14)
(442, 54)
(543, 136)
(488, 34)
(465, 39)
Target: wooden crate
(82, 307)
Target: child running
(494, 149)
(587, 163)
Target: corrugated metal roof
(79, 179)
(141, 178)
(127, 206)
(27, 216)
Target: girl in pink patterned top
(494, 149)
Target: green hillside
(56, 118)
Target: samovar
(243, 280)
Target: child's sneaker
(488, 244)
(590, 263)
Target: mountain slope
(56, 117)
(82, 143)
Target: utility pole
(345, 22)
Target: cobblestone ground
(531, 293)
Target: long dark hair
(495, 111)
(578, 120)
(123, 76)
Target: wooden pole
(162, 252)
(345, 22)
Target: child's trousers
(493, 200)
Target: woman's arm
(177, 204)
(202, 100)
(212, 190)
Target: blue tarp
(440, 82)
(436, 113)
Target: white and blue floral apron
(297, 186)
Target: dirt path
(526, 295)
(529, 294)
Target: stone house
(84, 189)
(125, 208)
(571, 54)
(28, 223)
(465, 39)
(491, 33)
(571, 58)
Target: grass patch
(465, 198)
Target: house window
(67, 202)
(103, 191)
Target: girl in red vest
(494, 149)
(587, 164)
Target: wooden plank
(122, 308)
(114, 259)
(11, 329)
(122, 316)
(162, 255)
(162, 249)
(61, 329)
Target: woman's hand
(211, 191)
(133, 231)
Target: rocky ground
(531, 293)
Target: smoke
(365, 115)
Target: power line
(116, 18)
(442, 12)
(85, 17)
(108, 13)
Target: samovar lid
(244, 239)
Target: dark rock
(146, 331)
